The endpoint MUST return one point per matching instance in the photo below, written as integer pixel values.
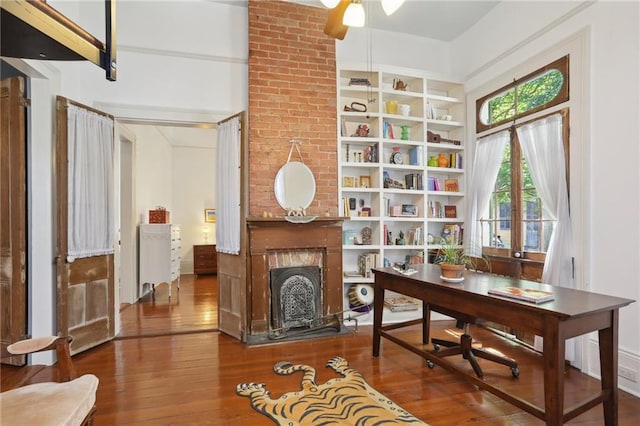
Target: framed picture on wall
(210, 215)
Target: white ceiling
(440, 20)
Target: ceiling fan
(350, 13)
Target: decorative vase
(405, 133)
(392, 107)
(443, 161)
(433, 162)
(449, 270)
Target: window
(539, 90)
(515, 201)
(516, 219)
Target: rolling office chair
(70, 402)
(463, 347)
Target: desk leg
(378, 306)
(426, 322)
(608, 343)
(553, 354)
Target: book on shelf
(413, 181)
(370, 153)
(416, 155)
(359, 81)
(435, 209)
(450, 211)
(526, 294)
(367, 261)
(401, 304)
(430, 112)
(451, 185)
(387, 130)
(452, 234)
(348, 205)
(433, 184)
(414, 236)
(455, 160)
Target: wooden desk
(572, 313)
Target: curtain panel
(486, 165)
(90, 151)
(228, 187)
(543, 148)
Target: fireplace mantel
(268, 235)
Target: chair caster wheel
(515, 372)
(430, 364)
(436, 347)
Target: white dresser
(159, 256)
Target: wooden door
(13, 211)
(85, 286)
(232, 269)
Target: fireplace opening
(296, 297)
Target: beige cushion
(49, 403)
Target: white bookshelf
(435, 105)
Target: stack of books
(401, 304)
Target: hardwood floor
(190, 378)
(192, 308)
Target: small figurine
(362, 131)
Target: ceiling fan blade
(334, 26)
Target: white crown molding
(188, 55)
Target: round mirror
(295, 186)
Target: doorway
(170, 165)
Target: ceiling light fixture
(389, 6)
(330, 3)
(354, 15)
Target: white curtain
(488, 157)
(228, 187)
(543, 149)
(90, 183)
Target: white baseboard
(626, 360)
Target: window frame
(561, 64)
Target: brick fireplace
(295, 250)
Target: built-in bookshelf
(401, 169)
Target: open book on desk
(526, 294)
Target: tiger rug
(340, 401)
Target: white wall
(367, 46)
(177, 60)
(193, 191)
(606, 126)
(153, 170)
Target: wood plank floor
(189, 377)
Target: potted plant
(453, 261)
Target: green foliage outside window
(524, 97)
